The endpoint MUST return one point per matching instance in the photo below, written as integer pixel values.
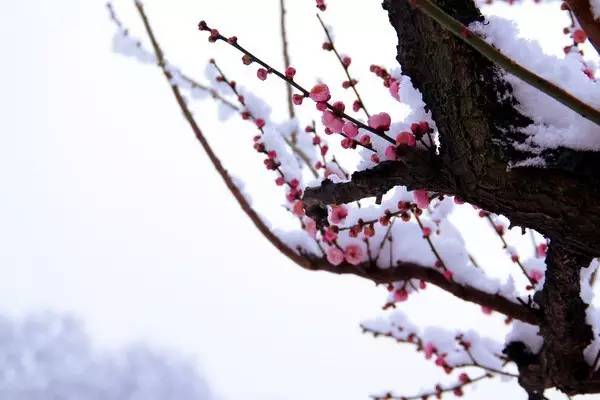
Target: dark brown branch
(564, 328)
(406, 271)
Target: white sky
(109, 209)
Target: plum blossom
(400, 295)
(390, 153)
(395, 89)
(380, 121)
(354, 254)
(298, 208)
(407, 139)
(331, 121)
(338, 214)
(335, 256)
(350, 129)
(536, 275)
(421, 198)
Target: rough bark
(476, 117)
(563, 325)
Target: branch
(438, 391)
(505, 246)
(215, 35)
(286, 62)
(246, 207)
(413, 171)
(403, 271)
(406, 271)
(495, 56)
(563, 325)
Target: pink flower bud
(395, 89)
(290, 72)
(297, 99)
(579, 36)
(262, 74)
(346, 61)
(390, 153)
(350, 129)
(365, 140)
(400, 295)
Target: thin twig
(437, 391)
(286, 62)
(346, 69)
(505, 244)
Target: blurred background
(126, 269)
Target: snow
(554, 125)
(483, 350)
(595, 7)
(124, 44)
(526, 333)
(592, 312)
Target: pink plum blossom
(395, 89)
(331, 121)
(400, 295)
(390, 153)
(335, 256)
(350, 129)
(421, 198)
(338, 214)
(380, 121)
(536, 275)
(407, 139)
(354, 254)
